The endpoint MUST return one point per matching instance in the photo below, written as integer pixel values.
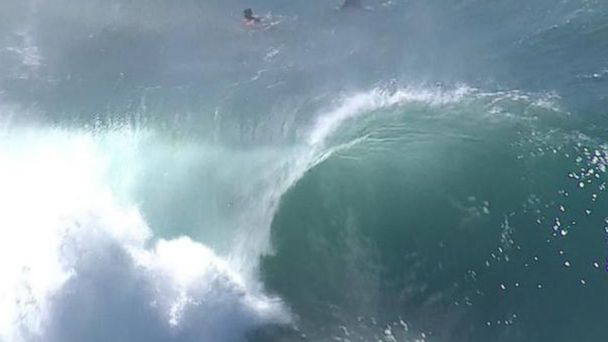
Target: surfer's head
(248, 14)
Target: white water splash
(76, 262)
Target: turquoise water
(406, 171)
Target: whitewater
(403, 171)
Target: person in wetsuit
(351, 4)
(249, 19)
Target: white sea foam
(77, 265)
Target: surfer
(351, 4)
(249, 19)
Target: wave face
(402, 171)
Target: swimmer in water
(249, 19)
(351, 4)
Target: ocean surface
(409, 170)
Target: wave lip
(378, 98)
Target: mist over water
(403, 171)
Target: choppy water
(409, 171)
